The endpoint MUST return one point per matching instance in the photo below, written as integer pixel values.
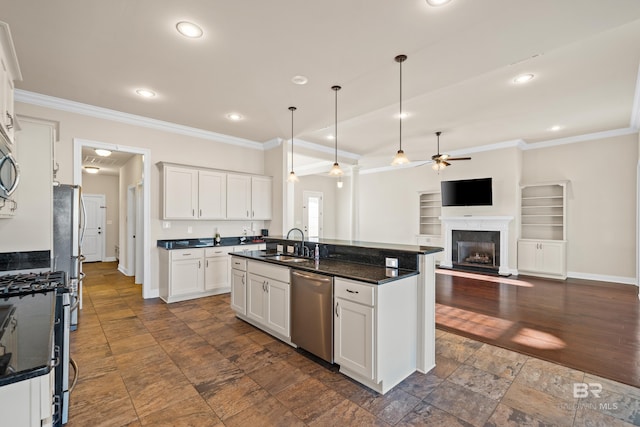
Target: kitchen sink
(285, 258)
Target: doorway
(93, 243)
(312, 214)
(145, 242)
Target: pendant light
(335, 170)
(400, 158)
(292, 174)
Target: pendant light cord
(401, 104)
(336, 89)
(292, 109)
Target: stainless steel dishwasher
(312, 313)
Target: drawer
(220, 251)
(269, 270)
(354, 291)
(179, 254)
(238, 263)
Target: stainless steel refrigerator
(68, 231)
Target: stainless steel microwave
(9, 170)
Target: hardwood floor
(193, 363)
(585, 325)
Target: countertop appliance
(312, 313)
(68, 232)
(36, 310)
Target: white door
(93, 243)
(139, 235)
(312, 216)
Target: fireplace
(474, 249)
(487, 245)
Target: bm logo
(581, 390)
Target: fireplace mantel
(479, 223)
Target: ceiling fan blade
(446, 163)
(459, 158)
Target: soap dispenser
(316, 254)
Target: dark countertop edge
(417, 249)
(402, 273)
(201, 243)
(24, 375)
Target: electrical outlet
(189, 230)
(279, 249)
(391, 262)
(289, 249)
(166, 224)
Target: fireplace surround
(495, 224)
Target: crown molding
(579, 138)
(131, 119)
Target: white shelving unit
(543, 229)
(430, 211)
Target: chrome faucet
(301, 239)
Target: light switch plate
(391, 262)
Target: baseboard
(123, 270)
(109, 259)
(603, 278)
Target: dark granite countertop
(331, 267)
(207, 242)
(32, 332)
(417, 249)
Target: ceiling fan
(441, 161)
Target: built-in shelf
(543, 211)
(430, 211)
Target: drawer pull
(352, 292)
(186, 254)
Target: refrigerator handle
(83, 224)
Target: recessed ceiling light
(102, 152)
(146, 93)
(331, 137)
(555, 128)
(523, 78)
(189, 29)
(91, 169)
(402, 116)
(437, 2)
(234, 116)
(300, 80)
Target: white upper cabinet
(192, 193)
(180, 193)
(212, 195)
(261, 197)
(238, 196)
(9, 72)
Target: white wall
(601, 211)
(164, 146)
(107, 185)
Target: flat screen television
(467, 192)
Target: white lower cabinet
(375, 329)
(28, 403)
(545, 258)
(268, 297)
(217, 269)
(186, 273)
(239, 285)
(353, 337)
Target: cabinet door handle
(247, 214)
(243, 280)
(253, 213)
(267, 284)
(200, 212)
(337, 315)
(352, 292)
(207, 264)
(199, 264)
(193, 212)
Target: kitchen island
(384, 316)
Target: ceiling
(109, 165)
(458, 78)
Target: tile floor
(143, 362)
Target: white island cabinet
(375, 329)
(28, 403)
(268, 298)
